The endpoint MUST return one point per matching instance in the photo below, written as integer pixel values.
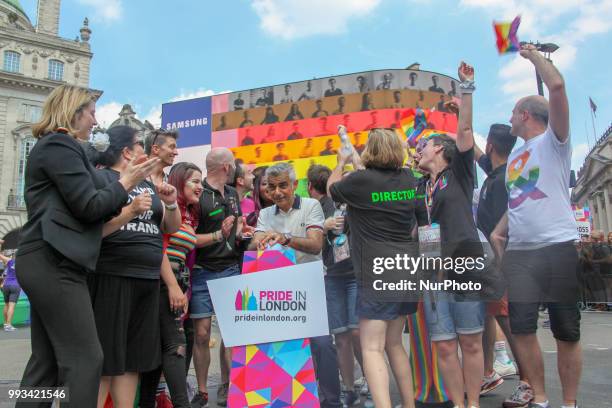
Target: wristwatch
(287, 236)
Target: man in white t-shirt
(297, 222)
(540, 260)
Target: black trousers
(65, 347)
(173, 361)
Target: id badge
(341, 248)
(429, 240)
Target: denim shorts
(341, 295)
(446, 318)
(201, 305)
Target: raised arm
(558, 111)
(465, 133)
(343, 160)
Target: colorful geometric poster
(278, 257)
(279, 374)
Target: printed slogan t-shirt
(135, 250)
(539, 207)
(381, 208)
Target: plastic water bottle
(347, 146)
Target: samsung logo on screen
(182, 124)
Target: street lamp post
(547, 49)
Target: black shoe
(222, 395)
(350, 398)
(200, 400)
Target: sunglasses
(158, 133)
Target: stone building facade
(33, 61)
(594, 184)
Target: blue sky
(150, 52)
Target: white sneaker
(505, 369)
(9, 328)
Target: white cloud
(578, 155)
(154, 116)
(108, 113)
(290, 19)
(105, 10)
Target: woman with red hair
(187, 179)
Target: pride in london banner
(277, 374)
(279, 304)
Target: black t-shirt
(135, 250)
(421, 203)
(344, 267)
(493, 200)
(451, 207)
(214, 208)
(381, 208)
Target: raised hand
(466, 72)
(137, 170)
(528, 51)
(167, 193)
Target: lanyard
(431, 189)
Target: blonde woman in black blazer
(67, 205)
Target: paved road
(595, 390)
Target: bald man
(540, 259)
(217, 256)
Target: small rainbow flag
(507, 41)
(414, 125)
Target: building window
(56, 70)
(24, 152)
(11, 61)
(30, 113)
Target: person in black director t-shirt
(380, 202)
(217, 256)
(450, 165)
(124, 289)
(340, 282)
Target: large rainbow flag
(427, 380)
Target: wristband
(467, 87)
(171, 207)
